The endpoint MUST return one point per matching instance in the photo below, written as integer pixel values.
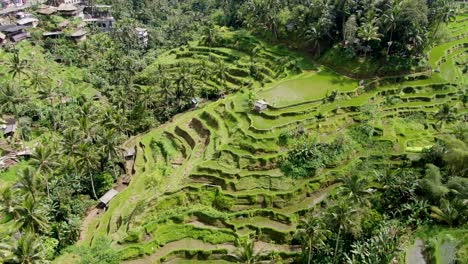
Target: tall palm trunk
(92, 186)
(336, 245)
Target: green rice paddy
(211, 175)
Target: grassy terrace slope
(211, 174)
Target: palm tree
(109, 142)
(369, 32)
(165, 91)
(355, 188)
(8, 202)
(28, 182)
(30, 217)
(445, 114)
(220, 73)
(313, 36)
(312, 234)
(45, 161)
(17, 66)
(390, 20)
(27, 250)
(39, 79)
(245, 252)
(87, 162)
(344, 218)
(9, 98)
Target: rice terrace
(274, 156)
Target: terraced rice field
(211, 174)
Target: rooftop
(107, 197)
(27, 20)
(78, 33)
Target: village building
(53, 35)
(99, 16)
(67, 2)
(129, 154)
(104, 24)
(21, 15)
(2, 38)
(70, 10)
(195, 102)
(106, 198)
(142, 34)
(79, 35)
(9, 128)
(47, 10)
(260, 105)
(28, 22)
(14, 32)
(7, 162)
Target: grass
(242, 153)
(306, 88)
(11, 175)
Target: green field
(211, 174)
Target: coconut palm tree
(245, 252)
(8, 201)
(343, 217)
(45, 161)
(369, 32)
(31, 217)
(27, 250)
(445, 114)
(10, 97)
(355, 189)
(312, 234)
(313, 36)
(17, 66)
(87, 161)
(390, 20)
(220, 73)
(29, 182)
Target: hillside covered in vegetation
(256, 131)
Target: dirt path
(415, 254)
(93, 213)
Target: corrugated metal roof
(107, 197)
(27, 20)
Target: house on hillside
(106, 198)
(260, 105)
(130, 153)
(195, 102)
(70, 10)
(67, 2)
(142, 34)
(3, 38)
(47, 10)
(53, 35)
(14, 32)
(28, 22)
(21, 15)
(9, 128)
(104, 23)
(79, 35)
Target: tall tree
(312, 233)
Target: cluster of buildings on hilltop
(14, 22)
(12, 3)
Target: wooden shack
(260, 105)
(106, 198)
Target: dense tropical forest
(239, 131)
